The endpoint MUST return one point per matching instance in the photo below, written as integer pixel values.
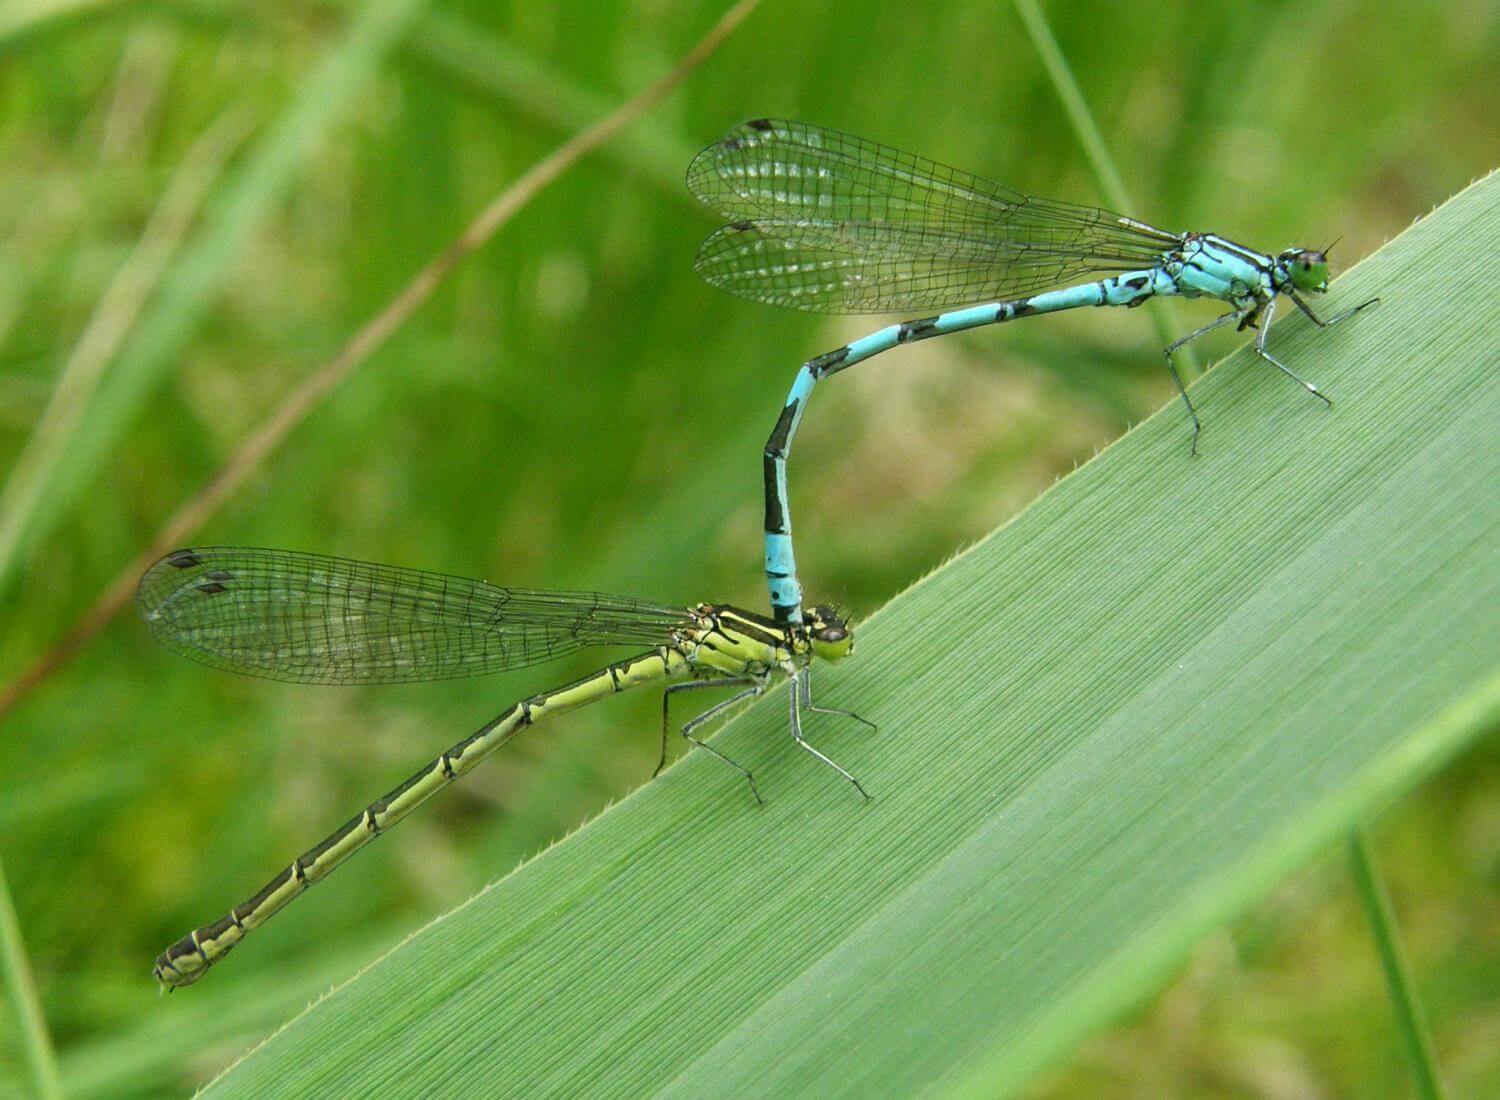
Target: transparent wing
(313, 619)
(904, 232)
(865, 268)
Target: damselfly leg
(1224, 319)
(756, 687)
(805, 688)
(1260, 350)
(795, 691)
(1336, 318)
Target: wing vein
(310, 618)
(827, 222)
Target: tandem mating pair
(820, 221)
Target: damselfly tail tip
(175, 971)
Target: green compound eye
(1309, 270)
(832, 645)
(830, 636)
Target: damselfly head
(829, 633)
(1309, 269)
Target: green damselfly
(312, 619)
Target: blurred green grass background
(575, 409)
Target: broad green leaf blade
(1103, 731)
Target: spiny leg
(794, 692)
(756, 687)
(1260, 350)
(805, 688)
(1335, 319)
(1177, 378)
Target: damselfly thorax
(1211, 266)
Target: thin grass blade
(230, 221)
